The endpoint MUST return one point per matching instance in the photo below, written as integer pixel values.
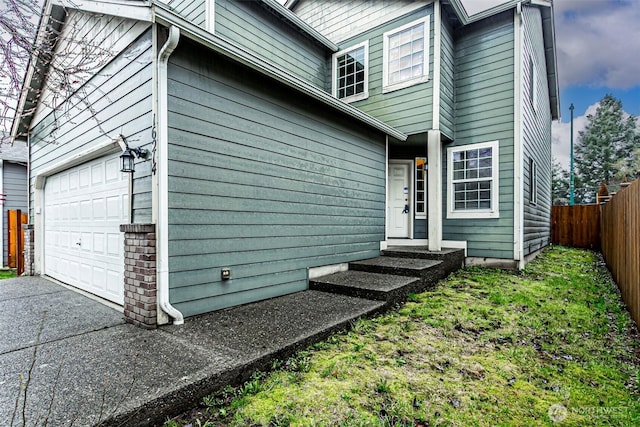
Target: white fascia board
(138, 10)
(465, 18)
(295, 20)
(163, 16)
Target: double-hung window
(406, 55)
(351, 74)
(473, 181)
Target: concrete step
(453, 259)
(429, 271)
(383, 287)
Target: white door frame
(410, 197)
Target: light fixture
(128, 155)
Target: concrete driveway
(80, 364)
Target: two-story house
(269, 142)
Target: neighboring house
(13, 181)
(258, 175)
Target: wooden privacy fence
(576, 226)
(15, 240)
(620, 224)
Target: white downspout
(162, 268)
(518, 184)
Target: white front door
(83, 209)
(399, 204)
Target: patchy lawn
(552, 345)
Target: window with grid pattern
(473, 179)
(350, 73)
(406, 55)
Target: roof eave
(549, 37)
(52, 18)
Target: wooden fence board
(620, 225)
(576, 226)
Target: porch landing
(391, 277)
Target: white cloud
(598, 42)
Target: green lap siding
(117, 100)
(484, 112)
(264, 182)
(193, 11)
(410, 109)
(447, 78)
(251, 26)
(536, 135)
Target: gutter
(162, 227)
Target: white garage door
(83, 209)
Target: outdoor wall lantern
(129, 155)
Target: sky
(598, 51)
(598, 48)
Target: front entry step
(429, 271)
(383, 287)
(453, 259)
(393, 276)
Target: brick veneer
(140, 291)
(29, 249)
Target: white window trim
(210, 16)
(494, 212)
(386, 87)
(533, 90)
(420, 215)
(533, 182)
(334, 72)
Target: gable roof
(156, 12)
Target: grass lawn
(551, 345)
(7, 274)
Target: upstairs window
(406, 55)
(351, 74)
(473, 181)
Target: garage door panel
(84, 207)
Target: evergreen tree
(559, 184)
(605, 149)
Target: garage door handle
(78, 243)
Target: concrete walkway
(90, 368)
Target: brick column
(29, 249)
(140, 301)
